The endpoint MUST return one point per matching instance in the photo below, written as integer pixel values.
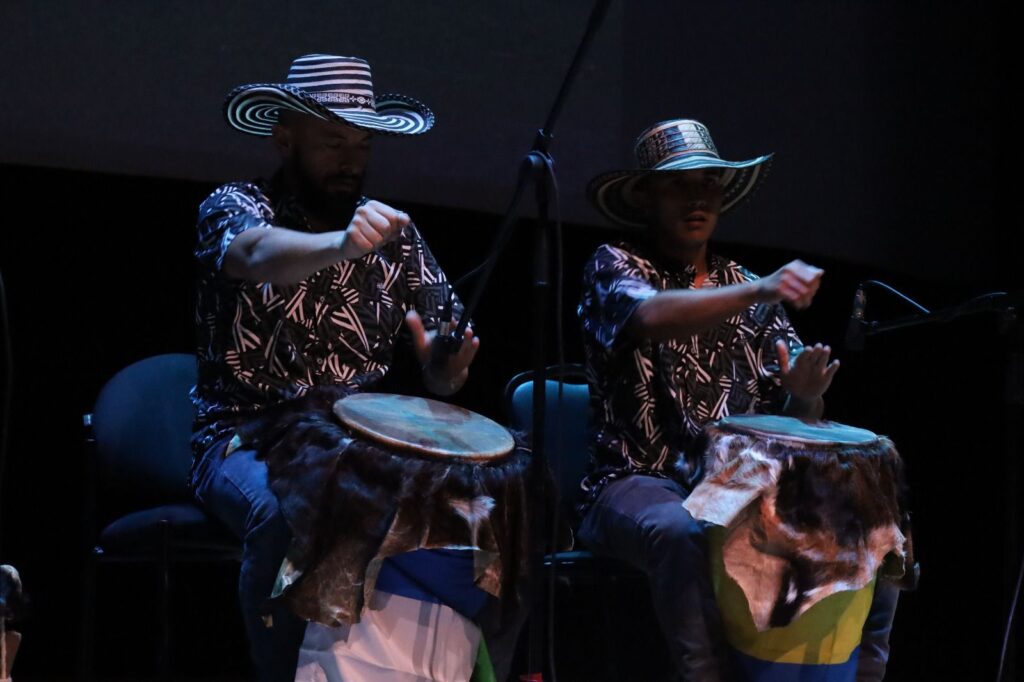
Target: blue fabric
(755, 670)
(442, 576)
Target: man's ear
(283, 137)
(641, 195)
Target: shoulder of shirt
(620, 251)
(732, 271)
(240, 191)
(618, 260)
(411, 233)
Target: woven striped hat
(332, 88)
(671, 146)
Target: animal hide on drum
(351, 503)
(804, 522)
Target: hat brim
(614, 193)
(254, 108)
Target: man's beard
(334, 206)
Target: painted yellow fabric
(827, 633)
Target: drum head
(790, 428)
(424, 426)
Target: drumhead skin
(424, 426)
(792, 429)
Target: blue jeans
(236, 491)
(641, 520)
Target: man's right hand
(795, 283)
(373, 225)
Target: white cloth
(396, 639)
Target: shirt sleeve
(773, 395)
(225, 214)
(426, 283)
(613, 287)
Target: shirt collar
(717, 264)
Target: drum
(364, 477)
(805, 516)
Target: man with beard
(304, 283)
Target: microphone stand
(998, 302)
(1011, 329)
(536, 168)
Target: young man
(304, 283)
(677, 336)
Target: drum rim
(493, 456)
(729, 423)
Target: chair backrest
(141, 425)
(566, 440)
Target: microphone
(444, 344)
(857, 328)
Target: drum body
(805, 517)
(356, 491)
(818, 645)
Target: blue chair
(567, 447)
(138, 439)
(566, 441)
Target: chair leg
(164, 650)
(611, 647)
(87, 639)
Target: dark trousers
(235, 490)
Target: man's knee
(671, 530)
(265, 518)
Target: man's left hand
(450, 378)
(810, 374)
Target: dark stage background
(885, 118)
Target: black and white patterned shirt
(651, 399)
(261, 343)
